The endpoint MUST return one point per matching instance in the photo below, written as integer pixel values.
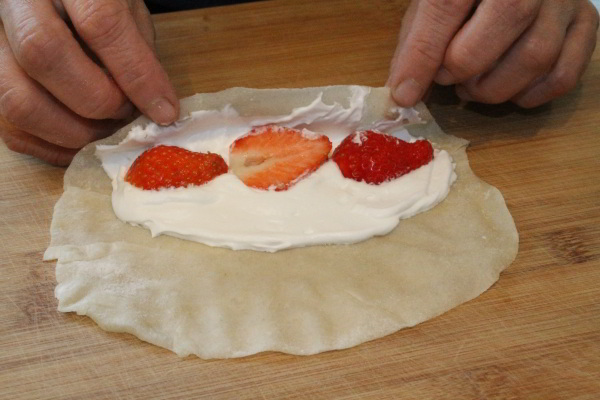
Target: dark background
(160, 6)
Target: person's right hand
(55, 97)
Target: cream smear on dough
(323, 208)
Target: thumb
(109, 29)
(427, 29)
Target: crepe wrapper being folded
(219, 303)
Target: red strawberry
(171, 166)
(375, 157)
(276, 157)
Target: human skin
(72, 70)
(525, 51)
(65, 84)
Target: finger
(22, 142)
(530, 57)
(485, 37)
(142, 18)
(29, 107)
(576, 54)
(110, 31)
(60, 9)
(427, 28)
(45, 48)
(428, 93)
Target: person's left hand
(525, 51)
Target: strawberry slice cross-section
(172, 167)
(273, 157)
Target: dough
(219, 303)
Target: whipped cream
(323, 208)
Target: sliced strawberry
(376, 157)
(171, 167)
(275, 157)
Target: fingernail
(162, 111)
(462, 93)
(126, 111)
(444, 77)
(408, 93)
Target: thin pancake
(218, 303)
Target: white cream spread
(323, 208)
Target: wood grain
(535, 334)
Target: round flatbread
(220, 303)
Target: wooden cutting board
(534, 334)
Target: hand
(71, 69)
(525, 51)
